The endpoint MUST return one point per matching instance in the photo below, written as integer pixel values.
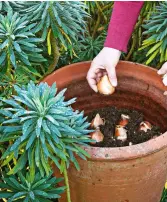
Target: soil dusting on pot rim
(112, 116)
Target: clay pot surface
(134, 173)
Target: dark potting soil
(112, 115)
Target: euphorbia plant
(44, 128)
(20, 188)
(61, 22)
(18, 42)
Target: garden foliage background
(38, 37)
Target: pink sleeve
(122, 22)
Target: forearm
(123, 20)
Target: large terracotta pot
(129, 174)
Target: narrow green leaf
(38, 126)
(17, 46)
(51, 119)
(31, 159)
(20, 164)
(37, 150)
(2, 57)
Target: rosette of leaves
(45, 128)
(22, 75)
(17, 42)
(156, 30)
(89, 47)
(85, 49)
(20, 188)
(66, 19)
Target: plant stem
(132, 47)
(108, 6)
(101, 11)
(56, 55)
(97, 25)
(8, 71)
(67, 184)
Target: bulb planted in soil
(104, 86)
(121, 133)
(131, 134)
(124, 120)
(97, 135)
(97, 121)
(145, 126)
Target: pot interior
(130, 94)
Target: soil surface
(112, 117)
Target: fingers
(165, 79)
(92, 80)
(98, 76)
(112, 76)
(92, 76)
(92, 83)
(163, 69)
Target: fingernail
(95, 89)
(159, 72)
(114, 83)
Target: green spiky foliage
(61, 23)
(18, 43)
(100, 12)
(20, 188)
(156, 31)
(45, 127)
(5, 6)
(88, 48)
(85, 49)
(134, 53)
(21, 76)
(66, 19)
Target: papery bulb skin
(97, 135)
(124, 120)
(145, 126)
(121, 133)
(104, 86)
(97, 121)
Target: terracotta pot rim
(66, 67)
(89, 61)
(128, 152)
(120, 153)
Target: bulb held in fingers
(97, 135)
(97, 121)
(104, 86)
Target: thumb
(112, 76)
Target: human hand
(163, 71)
(104, 63)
